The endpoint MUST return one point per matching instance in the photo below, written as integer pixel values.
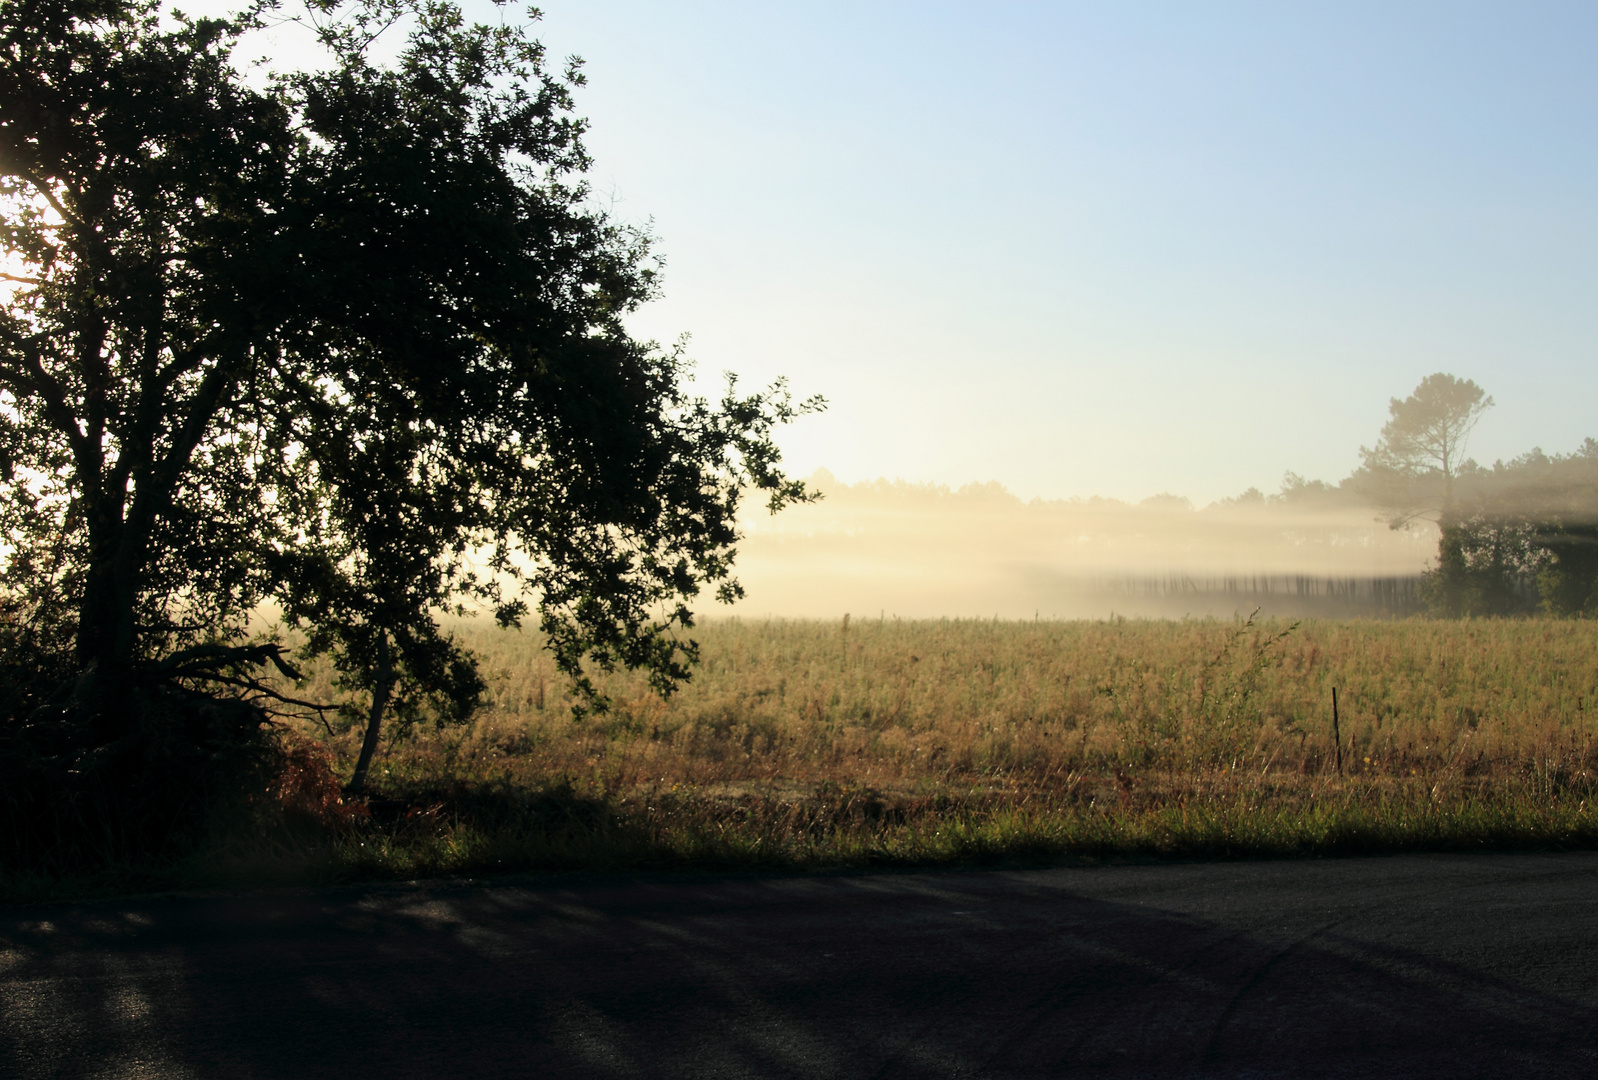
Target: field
(810, 745)
(913, 707)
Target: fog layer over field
(891, 548)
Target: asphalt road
(1413, 966)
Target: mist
(890, 548)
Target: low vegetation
(808, 746)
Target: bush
(307, 792)
(71, 800)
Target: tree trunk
(1452, 574)
(383, 686)
(104, 643)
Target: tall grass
(925, 705)
(810, 745)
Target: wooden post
(1337, 736)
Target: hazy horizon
(887, 548)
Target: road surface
(1415, 966)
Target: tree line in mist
(1514, 538)
(1418, 527)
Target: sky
(1109, 249)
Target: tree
(1412, 471)
(1422, 449)
(329, 344)
(1549, 504)
(1567, 580)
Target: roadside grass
(809, 747)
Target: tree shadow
(961, 974)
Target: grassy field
(810, 746)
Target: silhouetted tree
(332, 343)
(1567, 582)
(1487, 565)
(1412, 468)
(1411, 473)
(1549, 504)
(1525, 533)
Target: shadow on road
(1423, 966)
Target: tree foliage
(1529, 534)
(1412, 468)
(1517, 536)
(1412, 472)
(350, 343)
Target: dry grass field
(879, 742)
(911, 707)
(805, 745)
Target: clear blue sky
(1112, 248)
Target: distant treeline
(1282, 595)
(1296, 494)
(1517, 538)
(1418, 528)
(1397, 537)
(922, 550)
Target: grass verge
(482, 828)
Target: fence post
(1337, 736)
